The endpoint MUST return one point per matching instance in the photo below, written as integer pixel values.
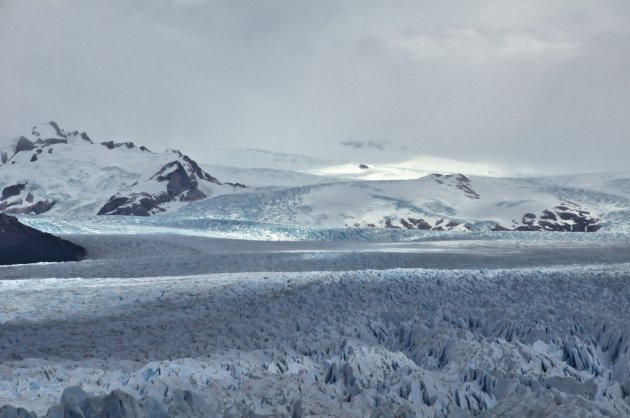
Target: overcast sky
(540, 86)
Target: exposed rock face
(24, 144)
(180, 185)
(20, 244)
(36, 208)
(44, 136)
(128, 144)
(179, 181)
(136, 204)
(423, 224)
(11, 191)
(458, 181)
(9, 205)
(420, 221)
(388, 224)
(566, 217)
(86, 138)
(55, 126)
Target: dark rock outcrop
(458, 181)
(181, 179)
(52, 141)
(112, 144)
(46, 138)
(178, 181)
(180, 186)
(20, 244)
(388, 224)
(24, 144)
(11, 191)
(422, 224)
(36, 208)
(86, 138)
(136, 204)
(419, 223)
(198, 171)
(56, 128)
(566, 217)
(126, 144)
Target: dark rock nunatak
(20, 244)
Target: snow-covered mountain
(437, 202)
(60, 172)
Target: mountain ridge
(59, 173)
(51, 167)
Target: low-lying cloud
(363, 144)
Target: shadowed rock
(112, 144)
(36, 208)
(181, 179)
(20, 244)
(24, 144)
(11, 191)
(85, 137)
(567, 217)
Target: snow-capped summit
(43, 134)
(162, 187)
(67, 172)
(63, 173)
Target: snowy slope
(267, 177)
(352, 164)
(66, 173)
(451, 202)
(409, 169)
(409, 194)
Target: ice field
(476, 324)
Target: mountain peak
(48, 131)
(59, 170)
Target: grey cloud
(540, 85)
(362, 144)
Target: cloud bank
(539, 86)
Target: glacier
(509, 325)
(324, 288)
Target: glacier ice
(433, 342)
